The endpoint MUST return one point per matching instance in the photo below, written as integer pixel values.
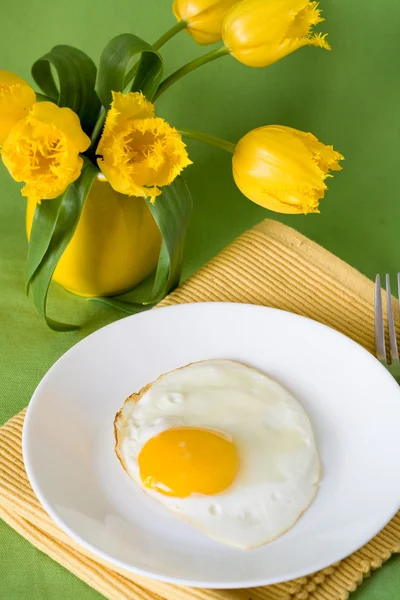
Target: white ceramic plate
(352, 401)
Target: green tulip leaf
(171, 212)
(43, 98)
(44, 221)
(76, 74)
(53, 226)
(148, 74)
(117, 68)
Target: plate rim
(148, 573)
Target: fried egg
(224, 447)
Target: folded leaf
(148, 74)
(77, 78)
(44, 222)
(53, 226)
(117, 68)
(171, 212)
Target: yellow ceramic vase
(115, 245)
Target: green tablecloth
(349, 97)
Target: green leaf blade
(148, 74)
(41, 73)
(116, 67)
(77, 74)
(44, 221)
(62, 222)
(172, 212)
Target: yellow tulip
(203, 17)
(16, 99)
(283, 169)
(139, 152)
(260, 32)
(43, 150)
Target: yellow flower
(260, 32)
(203, 17)
(139, 151)
(283, 169)
(16, 99)
(43, 150)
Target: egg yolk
(188, 460)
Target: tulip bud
(204, 17)
(260, 32)
(283, 169)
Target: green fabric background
(349, 97)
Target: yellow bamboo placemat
(270, 265)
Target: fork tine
(380, 346)
(394, 354)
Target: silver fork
(392, 365)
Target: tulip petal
(326, 157)
(124, 184)
(48, 191)
(300, 200)
(132, 105)
(204, 17)
(16, 99)
(64, 119)
(304, 20)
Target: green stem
(169, 34)
(97, 129)
(191, 66)
(212, 140)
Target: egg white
(279, 464)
